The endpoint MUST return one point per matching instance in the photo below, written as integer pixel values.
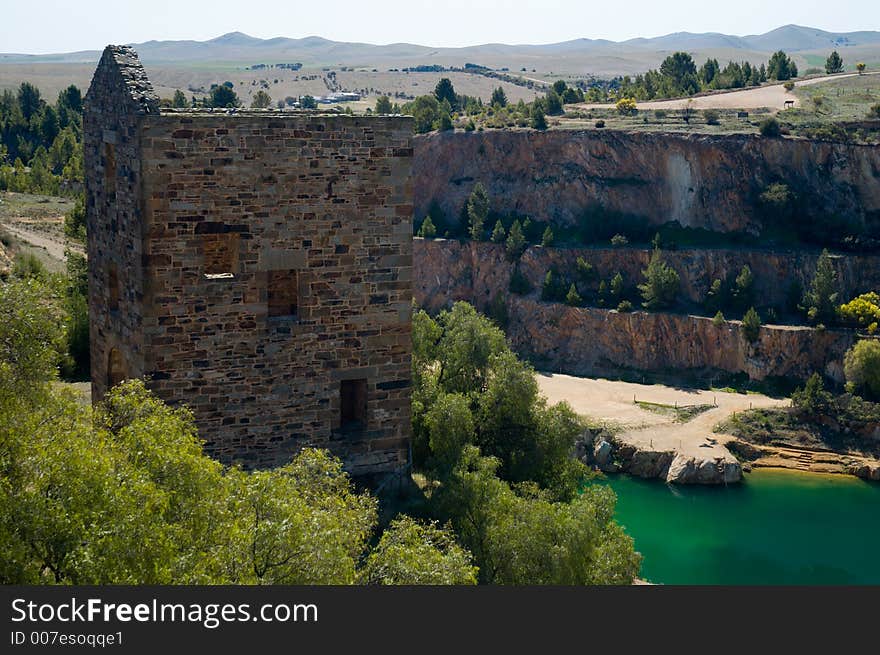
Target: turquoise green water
(777, 527)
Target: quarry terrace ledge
(255, 265)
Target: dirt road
(772, 97)
(53, 246)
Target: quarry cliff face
(700, 181)
(591, 341)
(775, 273)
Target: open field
(278, 83)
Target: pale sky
(51, 26)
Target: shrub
(788, 86)
(626, 106)
(718, 319)
(874, 112)
(861, 365)
(751, 325)
(659, 114)
(625, 306)
(770, 127)
(712, 116)
(861, 311)
(619, 240)
(599, 123)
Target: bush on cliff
(751, 325)
(573, 298)
(427, 231)
(660, 288)
(516, 241)
(770, 127)
(820, 301)
(862, 312)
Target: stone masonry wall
(591, 341)
(115, 105)
(325, 198)
(269, 276)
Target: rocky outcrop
(591, 341)
(701, 181)
(612, 455)
(483, 266)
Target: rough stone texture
(212, 212)
(483, 266)
(702, 181)
(589, 341)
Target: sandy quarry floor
(612, 401)
(772, 97)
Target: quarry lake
(777, 527)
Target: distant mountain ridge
(633, 54)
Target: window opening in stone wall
(220, 254)
(353, 407)
(283, 293)
(112, 288)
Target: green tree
(539, 121)
(680, 73)
(308, 102)
(222, 96)
(661, 284)
(531, 539)
(573, 298)
(478, 211)
(820, 301)
(553, 104)
(261, 100)
(469, 341)
(781, 67)
(813, 397)
(718, 319)
(416, 553)
(751, 325)
(616, 286)
(861, 365)
(547, 237)
(383, 105)
(499, 98)
(519, 284)
(559, 87)
(516, 240)
(445, 91)
(743, 288)
(179, 101)
(834, 63)
(425, 111)
(427, 230)
(450, 426)
(498, 233)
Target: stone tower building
(254, 265)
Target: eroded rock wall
(701, 181)
(590, 341)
